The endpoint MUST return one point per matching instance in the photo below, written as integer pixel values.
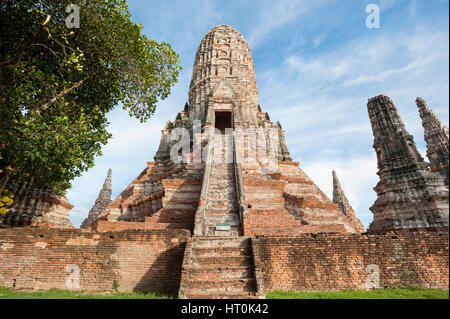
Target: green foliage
(57, 84)
(6, 200)
(387, 293)
(116, 286)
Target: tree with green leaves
(57, 83)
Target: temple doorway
(223, 120)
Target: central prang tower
(223, 92)
(236, 191)
(231, 197)
(223, 79)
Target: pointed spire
(107, 182)
(341, 200)
(104, 197)
(409, 195)
(437, 138)
(339, 196)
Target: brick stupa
(410, 196)
(223, 95)
(230, 197)
(224, 212)
(437, 138)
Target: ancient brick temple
(224, 200)
(101, 203)
(200, 194)
(409, 194)
(437, 138)
(224, 212)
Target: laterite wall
(328, 262)
(139, 260)
(150, 260)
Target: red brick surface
(329, 262)
(140, 260)
(151, 260)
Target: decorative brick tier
(163, 196)
(288, 202)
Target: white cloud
(375, 59)
(276, 14)
(319, 39)
(385, 5)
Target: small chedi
(437, 138)
(223, 211)
(409, 194)
(101, 203)
(340, 199)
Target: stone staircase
(221, 213)
(219, 263)
(218, 268)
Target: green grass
(6, 293)
(388, 293)
(391, 293)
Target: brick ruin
(333, 262)
(199, 195)
(409, 194)
(437, 138)
(224, 212)
(36, 207)
(340, 199)
(101, 203)
(45, 258)
(153, 260)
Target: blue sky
(316, 66)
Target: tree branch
(76, 85)
(18, 56)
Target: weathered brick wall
(150, 260)
(140, 260)
(106, 226)
(327, 262)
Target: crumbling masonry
(37, 207)
(341, 200)
(436, 136)
(224, 212)
(409, 194)
(101, 203)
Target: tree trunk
(4, 177)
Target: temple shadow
(164, 275)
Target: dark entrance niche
(222, 120)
